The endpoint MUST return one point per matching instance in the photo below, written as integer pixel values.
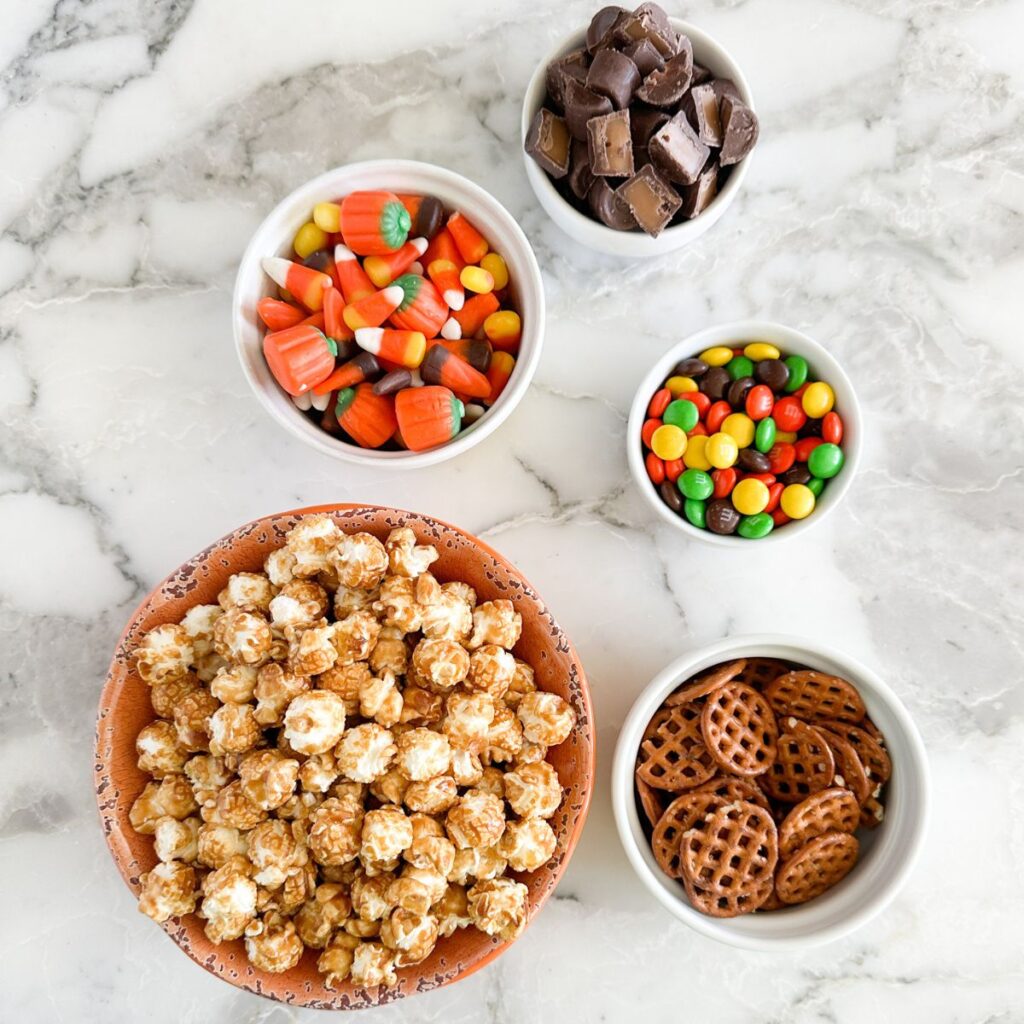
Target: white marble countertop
(142, 142)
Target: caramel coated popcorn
(346, 756)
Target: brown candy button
(795, 475)
(610, 144)
(677, 151)
(581, 104)
(721, 517)
(651, 199)
(750, 460)
(690, 368)
(773, 372)
(609, 209)
(548, 142)
(614, 75)
(715, 383)
(737, 393)
(670, 495)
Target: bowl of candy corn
(750, 431)
(389, 313)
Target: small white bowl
(274, 238)
(887, 853)
(790, 342)
(594, 234)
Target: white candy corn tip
(452, 329)
(455, 297)
(303, 402)
(420, 245)
(320, 402)
(368, 338)
(342, 253)
(395, 294)
(276, 268)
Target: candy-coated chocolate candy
(670, 495)
(696, 484)
(774, 496)
(308, 239)
(695, 456)
(422, 308)
(681, 385)
(668, 442)
(382, 270)
(403, 348)
(818, 399)
(348, 375)
(779, 518)
(715, 383)
(721, 450)
(327, 217)
(717, 356)
(781, 456)
(764, 436)
(374, 309)
(773, 372)
(699, 399)
(495, 266)
(716, 416)
(471, 244)
(696, 512)
(682, 414)
(689, 368)
(302, 283)
(749, 497)
(498, 373)
(788, 414)
(445, 276)
(750, 460)
(504, 329)
(352, 279)
(756, 526)
(739, 366)
(655, 468)
(832, 428)
(759, 402)
(476, 279)
(278, 315)
(805, 446)
(740, 427)
(787, 436)
(373, 223)
(427, 416)
(699, 429)
(721, 517)
(797, 501)
(648, 429)
(825, 460)
(816, 485)
(444, 367)
(367, 418)
(758, 350)
(736, 395)
(724, 481)
(766, 478)
(674, 468)
(299, 357)
(476, 310)
(659, 402)
(798, 474)
(798, 371)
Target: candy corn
(471, 244)
(334, 323)
(348, 375)
(367, 418)
(442, 247)
(374, 223)
(502, 365)
(503, 330)
(374, 309)
(427, 416)
(421, 309)
(299, 357)
(496, 267)
(476, 279)
(452, 329)
(305, 284)
(476, 353)
(444, 367)
(354, 283)
(404, 348)
(473, 314)
(445, 277)
(278, 315)
(382, 270)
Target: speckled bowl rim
(107, 796)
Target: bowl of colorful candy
(389, 313)
(747, 431)
(637, 132)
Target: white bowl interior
(593, 233)
(887, 853)
(274, 237)
(823, 367)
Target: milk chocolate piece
(725, 87)
(609, 209)
(651, 199)
(601, 31)
(665, 87)
(677, 151)
(644, 121)
(649, 21)
(548, 142)
(697, 196)
(611, 145)
(580, 106)
(739, 130)
(572, 65)
(701, 74)
(614, 75)
(644, 54)
(705, 106)
(580, 175)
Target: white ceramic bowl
(790, 342)
(887, 853)
(594, 234)
(274, 237)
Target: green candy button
(764, 436)
(797, 372)
(816, 485)
(682, 414)
(694, 511)
(825, 461)
(696, 485)
(755, 527)
(739, 366)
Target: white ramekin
(594, 234)
(274, 237)
(887, 854)
(790, 342)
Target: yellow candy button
(681, 385)
(721, 450)
(797, 501)
(750, 497)
(695, 456)
(785, 435)
(818, 399)
(668, 442)
(717, 356)
(741, 427)
(758, 350)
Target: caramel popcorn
(505, 736)
(365, 752)
(177, 840)
(169, 890)
(441, 664)
(351, 599)
(274, 853)
(335, 833)
(273, 944)
(234, 684)
(279, 567)
(172, 796)
(298, 604)
(491, 669)
(492, 780)
(165, 653)
(311, 544)
(476, 865)
(314, 721)
(478, 819)
(319, 772)
(373, 965)
(268, 777)
(495, 622)
(320, 916)
(335, 963)
(448, 617)
(217, 844)
(276, 687)
(387, 833)
(422, 754)
(546, 718)
(159, 752)
(199, 622)
(452, 911)
(527, 844)
(523, 682)
(370, 895)
(398, 604)
(242, 637)
(250, 591)
(469, 717)
(421, 707)
(390, 653)
(229, 901)
(411, 936)
(234, 808)
(405, 556)
(312, 651)
(360, 560)
(432, 796)
(168, 693)
(498, 907)
(381, 700)
(192, 719)
(533, 790)
(348, 682)
(208, 776)
(417, 889)
(233, 729)
(434, 852)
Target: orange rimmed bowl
(125, 709)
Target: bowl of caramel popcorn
(343, 755)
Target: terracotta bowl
(125, 709)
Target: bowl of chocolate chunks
(637, 132)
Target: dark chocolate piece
(644, 121)
(701, 74)
(572, 65)
(610, 144)
(580, 175)
(651, 199)
(644, 54)
(649, 21)
(739, 131)
(707, 122)
(580, 106)
(614, 75)
(666, 86)
(393, 382)
(609, 209)
(548, 143)
(601, 31)
(697, 196)
(677, 151)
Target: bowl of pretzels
(770, 791)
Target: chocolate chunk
(573, 65)
(429, 218)
(580, 175)
(649, 21)
(725, 87)
(651, 200)
(614, 75)
(677, 152)
(611, 145)
(666, 86)
(705, 106)
(393, 382)
(697, 197)
(609, 209)
(701, 74)
(644, 121)
(601, 31)
(580, 106)
(739, 131)
(548, 142)
(644, 54)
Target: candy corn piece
(471, 244)
(443, 367)
(476, 279)
(299, 357)
(442, 247)
(476, 353)
(374, 223)
(352, 279)
(278, 315)
(382, 270)
(367, 418)
(305, 284)
(374, 309)
(421, 309)
(404, 348)
(334, 321)
(427, 416)
(452, 329)
(445, 277)
(314, 320)
(502, 365)
(476, 310)
(349, 374)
